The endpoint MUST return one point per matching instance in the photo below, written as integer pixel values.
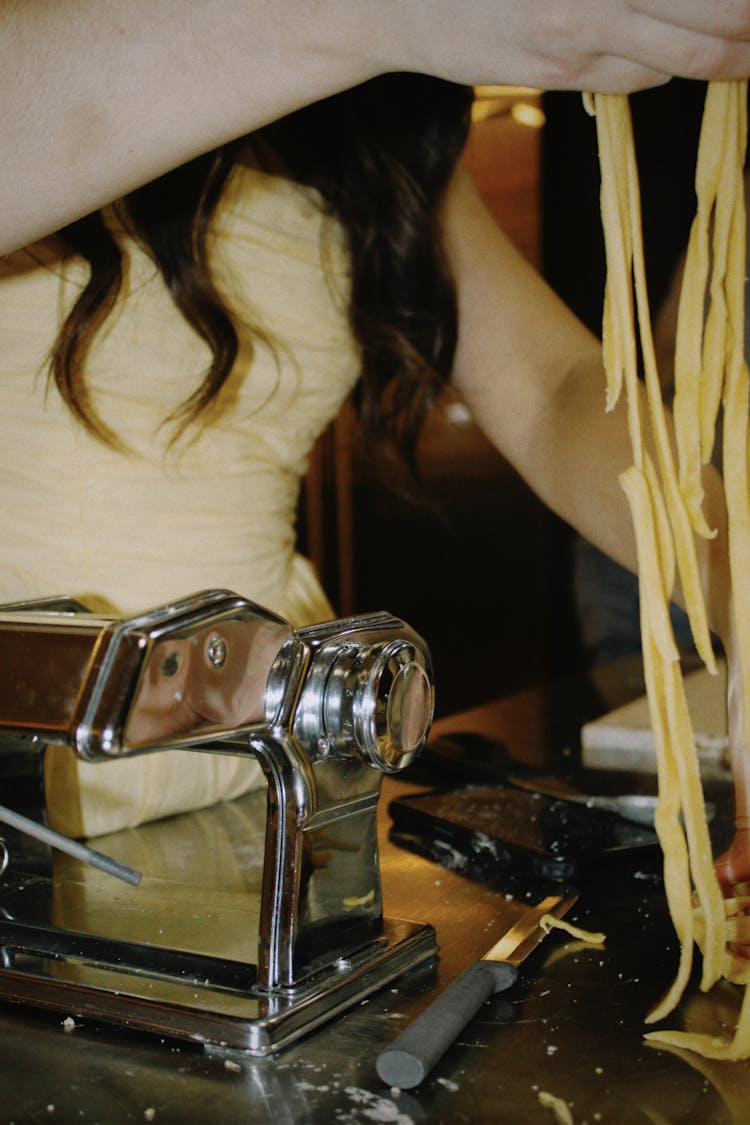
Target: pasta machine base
(164, 992)
(176, 954)
(256, 919)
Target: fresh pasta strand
(654, 625)
(587, 937)
(625, 265)
(700, 346)
(710, 1046)
(735, 435)
(715, 187)
(618, 330)
(666, 505)
(559, 1108)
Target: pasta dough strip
(621, 363)
(687, 560)
(700, 348)
(715, 333)
(715, 342)
(710, 1046)
(620, 178)
(735, 438)
(654, 620)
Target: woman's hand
(607, 46)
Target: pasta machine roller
(256, 919)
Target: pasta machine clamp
(208, 946)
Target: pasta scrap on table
(559, 1108)
(552, 922)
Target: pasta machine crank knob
(379, 701)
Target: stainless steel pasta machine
(256, 919)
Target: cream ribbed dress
(126, 531)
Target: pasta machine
(254, 920)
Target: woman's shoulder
(255, 199)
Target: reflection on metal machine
(207, 947)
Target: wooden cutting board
(623, 739)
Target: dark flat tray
(486, 830)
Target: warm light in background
(527, 114)
(522, 103)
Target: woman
(213, 322)
(203, 332)
(536, 393)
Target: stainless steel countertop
(572, 1026)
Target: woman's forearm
(100, 96)
(533, 378)
(594, 448)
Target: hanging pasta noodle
(666, 499)
(698, 373)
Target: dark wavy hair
(381, 156)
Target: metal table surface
(572, 1025)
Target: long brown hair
(381, 156)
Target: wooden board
(622, 739)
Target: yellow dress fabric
(126, 531)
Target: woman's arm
(532, 376)
(100, 96)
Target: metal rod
(72, 847)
